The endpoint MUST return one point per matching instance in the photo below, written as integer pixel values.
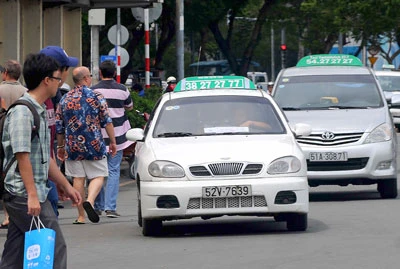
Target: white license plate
(328, 156)
(226, 191)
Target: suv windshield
(389, 83)
(217, 115)
(327, 92)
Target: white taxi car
(353, 139)
(218, 146)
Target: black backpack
(35, 132)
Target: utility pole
(272, 53)
(180, 40)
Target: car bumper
(191, 203)
(364, 162)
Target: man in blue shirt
(79, 118)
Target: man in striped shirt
(119, 100)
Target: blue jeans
(53, 196)
(107, 198)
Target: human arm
(65, 188)
(3, 103)
(112, 148)
(256, 124)
(61, 147)
(24, 161)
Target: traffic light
(283, 55)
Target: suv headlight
(165, 169)
(381, 133)
(284, 165)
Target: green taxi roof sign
(329, 60)
(214, 82)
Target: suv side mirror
(395, 101)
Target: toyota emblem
(328, 135)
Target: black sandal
(92, 215)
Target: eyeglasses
(90, 75)
(57, 78)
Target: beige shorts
(89, 169)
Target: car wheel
(131, 162)
(139, 210)
(151, 227)
(388, 188)
(296, 222)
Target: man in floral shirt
(79, 118)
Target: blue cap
(60, 55)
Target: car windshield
(389, 83)
(327, 92)
(217, 115)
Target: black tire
(131, 169)
(297, 222)
(139, 210)
(151, 227)
(388, 188)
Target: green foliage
(143, 104)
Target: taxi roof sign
(214, 82)
(329, 60)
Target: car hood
(206, 149)
(341, 120)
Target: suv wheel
(388, 188)
(296, 222)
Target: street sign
(108, 58)
(372, 60)
(154, 12)
(124, 55)
(112, 35)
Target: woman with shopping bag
(25, 183)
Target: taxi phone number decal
(328, 61)
(214, 84)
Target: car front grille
(317, 139)
(350, 164)
(225, 169)
(227, 202)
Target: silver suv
(353, 139)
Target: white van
(353, 139)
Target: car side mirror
(301, 129)
(135, 134)
(395, 101)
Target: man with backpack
(25, 183)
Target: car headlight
(165, 169)
(289, 164)
(381, 133)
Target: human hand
(34, 207)
(112, 149)
(61, 154)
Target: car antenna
(198, 60)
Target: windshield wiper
(290, 108)
(174, 134)
(347, 107)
